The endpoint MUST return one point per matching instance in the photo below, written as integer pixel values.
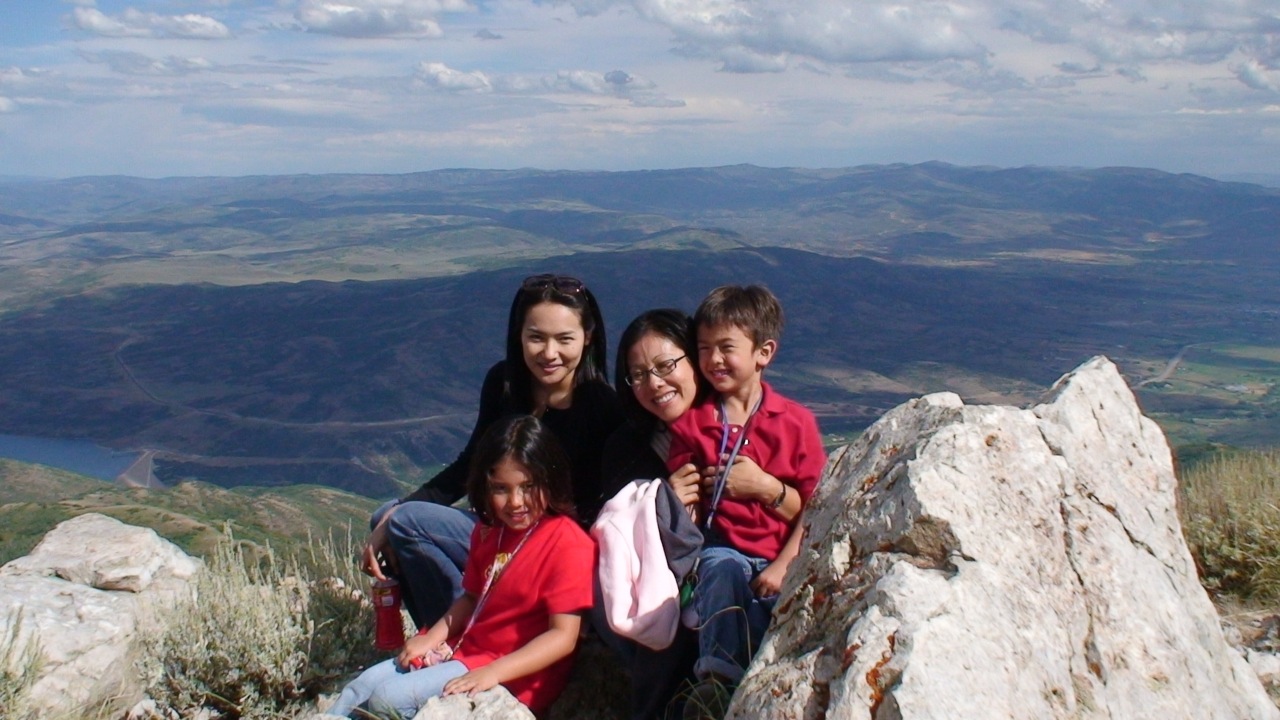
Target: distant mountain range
(334, 329)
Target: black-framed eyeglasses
(560, 283)
(659, 370)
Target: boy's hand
(746, 481)
(476, 681)
(686, 482)
(769, 581)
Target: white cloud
(615, 83)
(7, 105)
(744, 60)
(377, 18)
(759, 36)
(13, 76)
(140, 24)
(753, 36)
(132, 63)
(1253, 74)
(443, 77)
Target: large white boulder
(78, 598)
(994, 562)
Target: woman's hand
(476, 681)
(686, 482)
(377, 548)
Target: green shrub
(1230, 511)
(264, 636)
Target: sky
(158, 88)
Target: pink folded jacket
(640, 594)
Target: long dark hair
(531, 444)
(573, 294)
(674, 325)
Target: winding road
(1170, 367)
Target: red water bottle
(388, 624)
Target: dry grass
(266, 635)
(1230, 507)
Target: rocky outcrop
(77, 597)
(982, 561)
(495, 704)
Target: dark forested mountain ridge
(334, 329)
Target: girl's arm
(452, 623)
(559, 640)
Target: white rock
(991, 562)
(495, 704)
(1266, 665)
(104, 553)
(84, 634)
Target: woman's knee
(429, 522)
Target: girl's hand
(686, 482)
(420, 646)
(476, 681)
(769, 581)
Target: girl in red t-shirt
(525, 588)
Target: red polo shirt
(782, 438)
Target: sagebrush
(264, 636)
(1230, 512)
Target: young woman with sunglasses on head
(554, 369)
(657, 381)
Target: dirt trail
(1170, 367)
(140, 473)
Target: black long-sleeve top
(582, 429)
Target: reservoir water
(78, 456)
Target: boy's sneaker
(708, 700)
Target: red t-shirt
(782, 438)
(550, 575)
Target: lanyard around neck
(493, 578)
(723, 477)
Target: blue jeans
(431, 543)
(389, 690)
(728, 616)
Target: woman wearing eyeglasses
(554, 368)
(657, 381)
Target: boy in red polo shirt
(759, 456)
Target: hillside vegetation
(34, 498)
(1230, 508)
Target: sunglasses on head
(559, 283)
